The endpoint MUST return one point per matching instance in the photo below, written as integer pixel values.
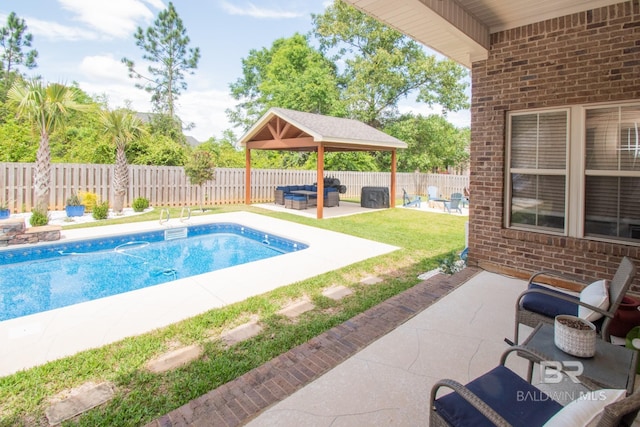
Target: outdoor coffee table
(311, 201)
(612, 366)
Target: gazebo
(289, 130)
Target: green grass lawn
(425, 240)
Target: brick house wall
(587, 57)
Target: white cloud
(104, 68)
(115, 18)
(207, 110)
(54, 31)
(258, 12)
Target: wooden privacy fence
(169, 186)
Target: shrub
(140, 204)
(101, 210)
(74, 199)
(90, 200)
(38, 218)
(451, 264)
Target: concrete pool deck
(36, 339)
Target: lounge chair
(500, 397)
(454, 203)
(597, 302)
(410, 200)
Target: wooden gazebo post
(320, 182)
(247, 176)
(392, 196)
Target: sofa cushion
(517, 401)
(548, 305)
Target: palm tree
(122, 126)
(46, 107)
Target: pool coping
(36, 339)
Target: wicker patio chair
(540, 304)
(500, 397)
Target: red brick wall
(586, 57)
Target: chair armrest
(528, 354)
(470, 397)
(615, 412)
(562, 297)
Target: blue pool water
(44, 277)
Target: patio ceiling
(460, 29)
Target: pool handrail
(168, 215)
(182, 218)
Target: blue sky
(84, 41)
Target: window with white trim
(612, 172)
(537, 172)
(599, 148)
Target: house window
(612, 172)
(537, 172)
(582, 160)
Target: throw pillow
(586, 410)
(596, 294)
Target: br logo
(551, 372)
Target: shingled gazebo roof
(283, 129)
(290, 130)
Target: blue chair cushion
(548, 305)
(517, 401)
(298, 198)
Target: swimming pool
(45, 277)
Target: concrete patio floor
(389, 382)
(379, 367)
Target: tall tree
(382, 66)
(123, 127)
(165, 45)
(13, 41)
(46, 108)
(290, 74)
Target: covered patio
(289, 130)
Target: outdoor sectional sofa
(283, 196)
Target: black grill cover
(374, 197)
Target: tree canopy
(378, 68)
(289, 74)
(383, 66)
